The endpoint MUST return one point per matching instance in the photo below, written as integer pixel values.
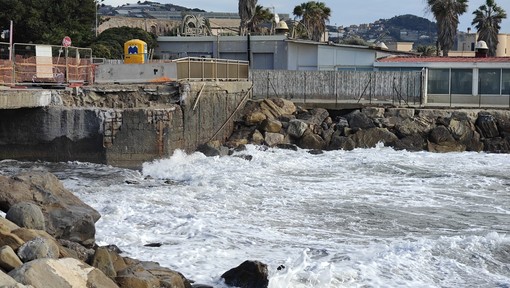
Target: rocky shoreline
(47, 237)
(279, 123)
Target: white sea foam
(363, 218)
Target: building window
(462, 81)
(506, 82)
(489, 81)
(438, 82)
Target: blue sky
(343, 12)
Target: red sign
(66, 42)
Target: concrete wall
(13, 99)
(135, 73)
(123, 137)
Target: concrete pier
(127, 134)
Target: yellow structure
(135, 52)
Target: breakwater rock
(279, 123)
(47, 239)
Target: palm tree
(447, 14)
(261, 15)
(487, 20)
(314, 16)
(246, 12)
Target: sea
(363, 218)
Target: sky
(343, 12)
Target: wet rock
(153, 245)
(38, 248)
(26, 214)
(498, 145)
(257, 138)
(445, 147)
(413, 142)
(250, 274)
(441, 135)
(66, 216)
(370, 137)
(65, 272)
(8, 259)
(339, 142)
(409, 127)
(297, 128)
(75, 250)
(373, 112)
(358, 120)
(310, 140)
(136, 276)
(271, 125)
(292, 147)
(245, 157)
(315, 152)
(487, 125)
(30, 234)
(273, 139)
(209, 150)
(167, 277)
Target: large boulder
(8, 259)
(273, 139)
(465, 133)
(497, 145)
(136, 276)
(339, 142)
(9, 239)
(103, 261)
(315, 116)
(358, 120)
(38, 248)
(409, 127)
(250, 274)
(370, 137)
(66, 216)
(413, 142)
(168, 278)
(487, 125)
(271, 125)
(65, 272)
(9, 282)
(311, 140)
(26, 214)
(297, 128)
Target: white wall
(302, 56)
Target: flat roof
(444, 60)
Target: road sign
(66, 42)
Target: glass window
(489, 81)
(462, 81)
(506, 82)
(438, 81)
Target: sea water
(363, 218)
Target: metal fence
(203, 69)
(45, 65)
(339, 86)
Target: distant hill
(403, 28)
(410, 22)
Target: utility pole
(10, 41)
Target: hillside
(403, 28)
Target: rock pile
(279, 123)
(47, 239)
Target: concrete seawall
(124, 137)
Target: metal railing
(203, 69)
(34, 64)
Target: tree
(246, 13)
(49, 21)
(426, 50)
(487, 21)
(110, 43)
(261, 15)
(447, 14)
(314, 16)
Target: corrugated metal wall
(338, 86)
